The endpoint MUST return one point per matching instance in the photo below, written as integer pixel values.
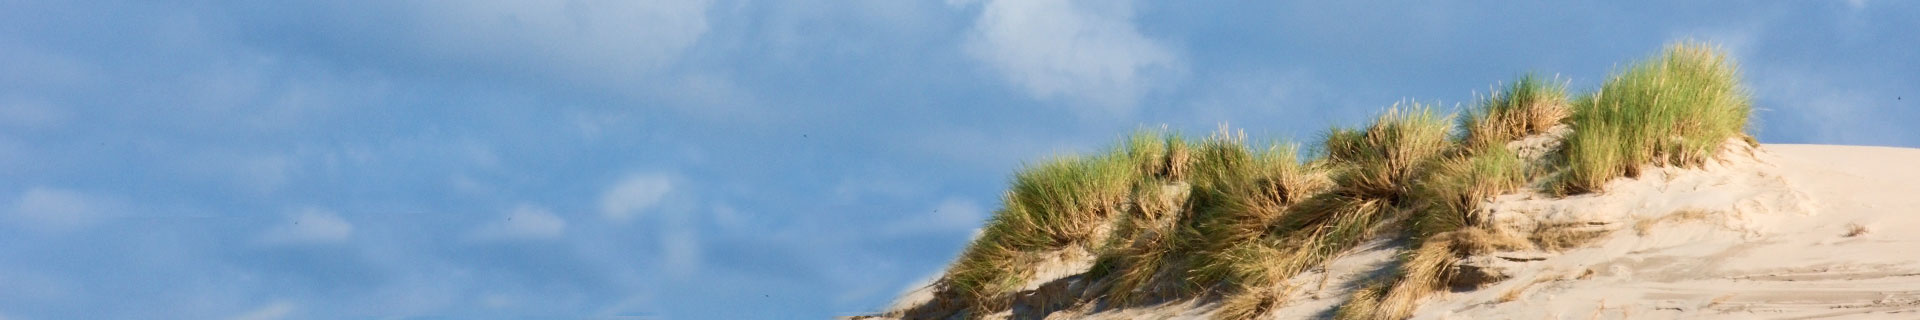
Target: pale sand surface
(1782, 252)
(1762, 235)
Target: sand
(1849, 249)
(1778, 232)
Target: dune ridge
(1644, 198)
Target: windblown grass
(1449, 197)
(1373, 170)
(1674, 109)
(1527, 106)
(1235, 195)
(1165, 216)
(1446, 197)
(1421, 272)
(1239, 209)
(1052, 206)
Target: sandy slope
(1777, 262)
(1768, 233)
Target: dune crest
(1780, 231)
(1643, 198)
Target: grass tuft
(1674, 109)
(1449, 197)
(1526, 107)
(1165, 216)
(1234, 195)
(1055, 205)
(1372, 170)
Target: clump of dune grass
(1373, 174)
(1163, 214)
(1363, 303)
(1673, 109)
(1146, 238)
(1421, 272)
(1525, 107)
(1446, 225)
(1235, 194)
(1448, 198)
(1372, 171)
(1157, 155)
(1251, 303)
(1051, 206)
(1238, 209)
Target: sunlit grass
(1168, 217)
(1673, 109)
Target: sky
(724, 159)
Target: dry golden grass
(1560, 237)
(1424, 271)
(1251, 303)
(1645, 227)
(1363, 303)
(1855, 230)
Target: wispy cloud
(271, 311)
(680, 249)
(597, 41)
(29, 113)
(951, 215)
(634, 195)
(309, 225)
(57, 210)
(526, 222)
(1084, 52)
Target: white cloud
(262, 174)
(30, 113)
(271, 311)
(952, 214)
(1834, 112)
(55, 210)
(525, 222)
(680, 250)
(633, 195)
(602, 40)
(309, 226)
(1083, 51)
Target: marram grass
(1052, 206)
(1525, 107)
(1673, 109)
(1167, 217)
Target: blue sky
(721, 159)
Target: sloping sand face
(1796, 231)
(1777, 232)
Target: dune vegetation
(1164, 217)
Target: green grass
(1448, 197)
(1234, 210)
(1372, 172)
(1234, 195)
(1169, 217)
(1373, 169)
(1527, 106)
(1445, 196)
(1054, 205)
(1674, 109)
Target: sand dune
(1777, 232)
